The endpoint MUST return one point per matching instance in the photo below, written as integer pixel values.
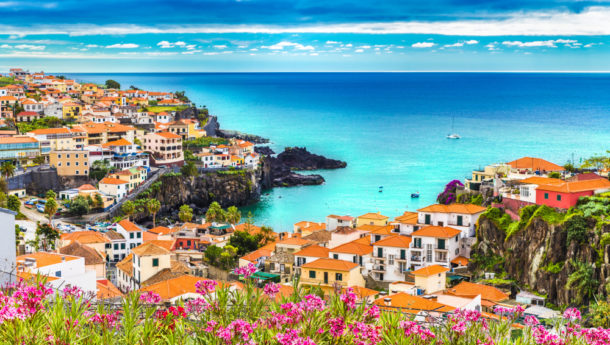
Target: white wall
(8, 251)
(452, 246)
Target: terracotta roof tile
(331, 264)
(313, 251)
(353, 248)
(407, 218)
(126, 265)
(128, 226)
(436, 231)
(453, 208)
(174, 287)
(255, 255)
(412, 304)
(430, 271)
(534, 164)
(149, 249)
(461, 261)
(85, 237)
(110, 180)
(92, 257)
(46, 259)
(487, 292)
(398, 241)
(374, 216)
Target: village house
(334, 221)
(57, 139)
(117, 248)
(432, 245)
(406, 224)
(114, 187)
(70, 163)
(371, 219)
(309, 254)
(131, 232)
(28, 116)
(94, 260)
(358, 251)
(134, 177)
(459, 216)
(330, 274)
(20, 149)
(165, 148)
(430, 279)
(390, 257)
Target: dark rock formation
(298, 158)
(228, 134)
(212, 126)
(528, 255)
(264, 150)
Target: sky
(305, 35)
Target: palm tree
(128, 208)
(185, 214)
(267, 233)
(50, 208)
(153, 206)
(215, 213)
(582, 280)
(7, 169)
(233, 215)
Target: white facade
(464, 222)
(70, 270)
(333, 222)
(426, 251)
(365, 261)
(342, 237)
(133, 238)
(8, 250)
(390, 263)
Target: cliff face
(539, 257)
(238, 188)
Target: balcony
(378, 269)
(401, 259)
(441, 249)
(379, 258)
(321, 282)
(416, 258)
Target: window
(76, 172)
(417, 242)
(312, 274)
(441, 244)
(58, 155)
(403, 254)
(338, 277)
(546, 195)
(391, 259)
(379, 252)
(131, 235)
(558, 197)
(67, 155)
(108, 246)
(427, 219)
(58, 164)
(355, 259)
(336, 256)
(155, 262)
(77, 155)
(67, 164)
(460, 220)
(122, 245)
(139, 235)
(116, 246)
(76, 163)
(58, 274)
(377, 238)
(116, 257)
(524, 191)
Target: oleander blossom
(271, 289)
(412, 329)
(292, 337)
(150, 297)
(572, 314)
(72, 291)
(205, 287)
(246, 271)
(531, 321)
(349, 298)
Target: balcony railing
(416, 258)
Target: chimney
(387, 301)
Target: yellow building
(331, 273)
(89, 87)
(488, 173)
(70, 110)
(372, 219)
(70, 162)
(57, 139)
(430, 278)
(133, 177)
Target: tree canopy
(112, 84)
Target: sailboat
(453, 135)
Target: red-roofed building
(28, 116)
(390, 258)
(434, 245)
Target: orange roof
(120, 142)
(167, 244)
(363, 240)
(313, 251)
(169, 135)
(129, 226)
(175, 287)
(412, 304)
(86, 186)
(253, 256)
(345, 218)
(362, 292)
(374, 216)
(126, 265)
(467, 289)
(430, 271)
(95, 128)
(46, 259)
(541, 180)
(436, 231)
(461, 261)
(310, 226)
(453, 208)
(110, 180)
(149, 236)
(162, 230)
(354, 248)
(331, 264)
(535, 164)
(398, 241)
(149, 249)
(17, 140)
(407, 218)
(31, 277)
(295, 241)
(85, 237)
(107, 290)
(577, 186)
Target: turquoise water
(391, 128)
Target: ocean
(391, 128)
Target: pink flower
(531, 321)
(337, 326)
(246, 271)
(349, 298)
(572, 314)
(205, 287)
(150, 297)
(271, 289)
(72, 291)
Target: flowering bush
(448, 196)
(34, 314)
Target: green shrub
(577, 229)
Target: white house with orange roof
(257, 258)
(431, 278)
(333, 221)
(343, 235)
(64, 269)
(126, 155)
(356, 252)
(309, 254)
(372, 219)
(175, 289)
(407, 223)
(458, 216)
(114, 187)
(307, 228)
(390, 258)
(131, 232)
(434, 245)
(32, 105)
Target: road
(32, 214)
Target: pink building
(165, 148)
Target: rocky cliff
(540, 257)
(228, 188)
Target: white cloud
(471, 42)
(91, 46)
(180, 44)
(190, 52)
(492, 46)
(547, 43)
(359, 51)
(589, 45)
(332, 42)
(314, 54)
(423, 45)
(457, 44)
(6, 46)
(349, 45)
(365, 47)
(165, 44)
(284, 44)
(220, 46)
(191, 46)
(30, 47)
(123, 46)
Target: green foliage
(47, 235)
(497, 281)
(4, 81)
(499, 217)
(45, 122)
(185, 213)
(112, 84)
(128, 208)
(577, 229)
(172, 174)
(224, 258)
(215, 213)
(153, 206)
(525, 215)
(599, 314)
(99, 201)
(554, 174)
(489, 262)
(204, 141)
(154, 108)
(99, 169)
(189, 156)
(597, 162)
(189, 169)
(50, 207)
(181, 95)
(13, 203)
(594, 206)
(233, 215)
(244, 242)
(582, 280)
(549, 215)
(7, 169)
(79, 206)
(554, 268)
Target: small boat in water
(453, 135)
(415, 195)
(380, 189)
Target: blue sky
(300, 35)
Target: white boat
(453, 135)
